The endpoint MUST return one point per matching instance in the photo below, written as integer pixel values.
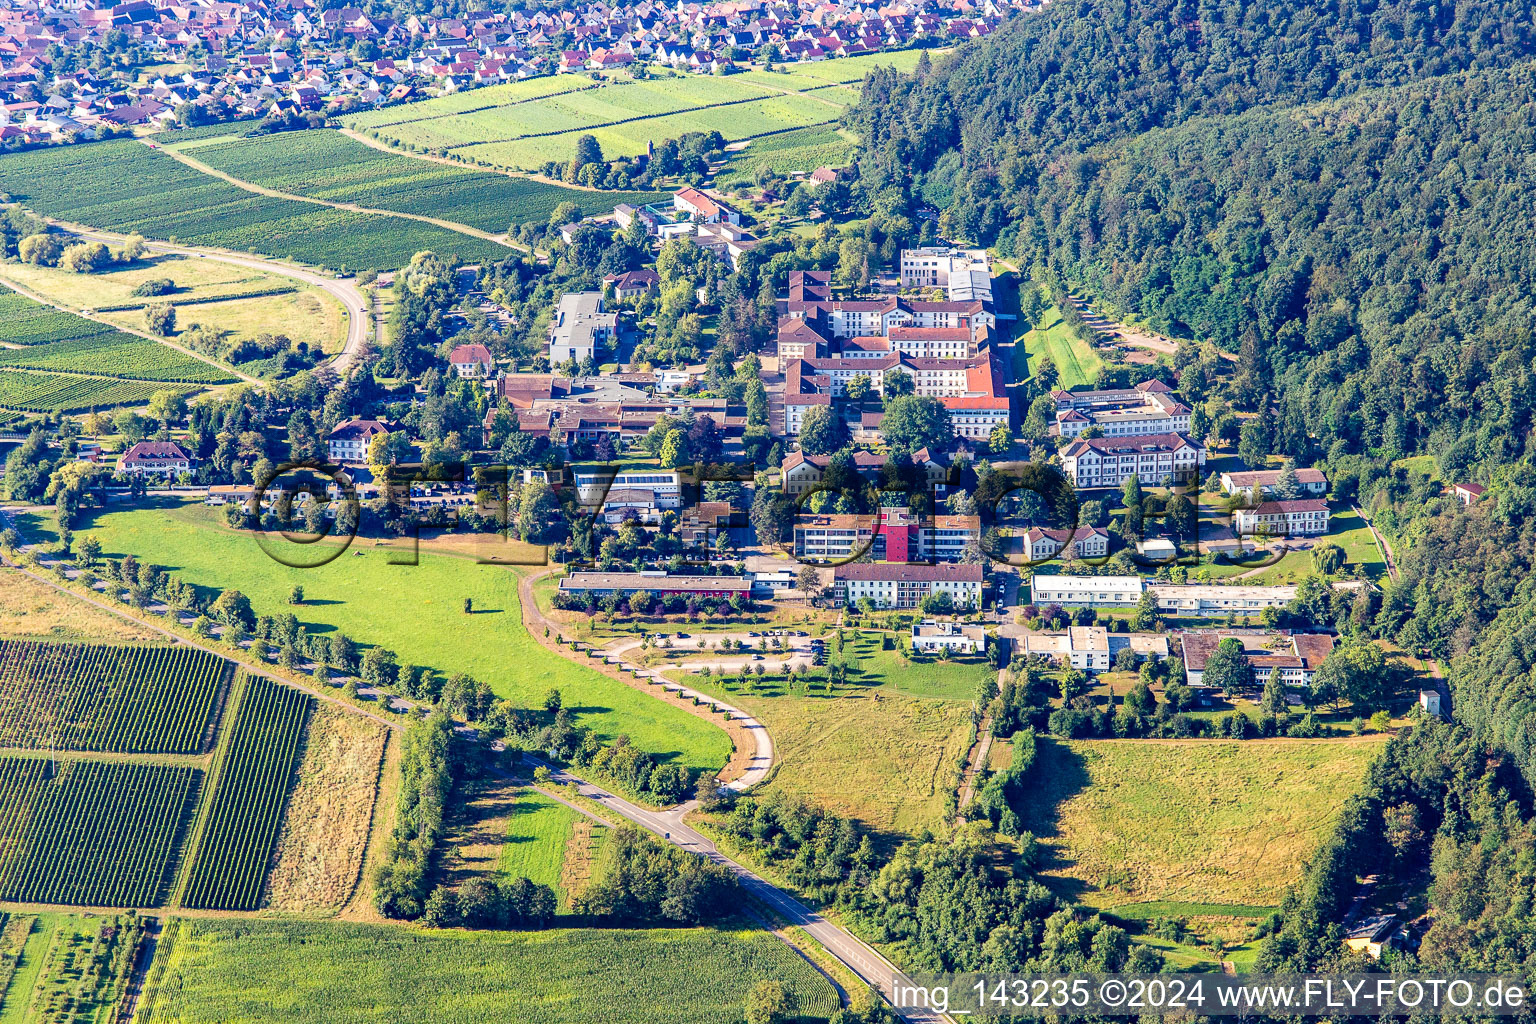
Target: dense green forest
(1340, 195)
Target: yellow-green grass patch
(1209, 821)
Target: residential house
(1304, 517)
(930, 637)
(472, 362)
(155, 458)
(348, 442)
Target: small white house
(929, 637)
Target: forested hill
(1371, 258)
(1086, 71)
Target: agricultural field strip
(118, 826)
(29, 391)
(129, 700)
(581, 128)
(331, 166)
(447, 225)
(62, 325)
(245, 813)
(123, 186)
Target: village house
(1041, 544)
(472, 362)
(155, 458)
(348, 442)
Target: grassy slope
(1194, 820)
(254, 972)
(414, 610)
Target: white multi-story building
(1200, 599)
(934, 266)
(929, 637)
(1086, 591)
(1093, 462)
(1304, 517)
(1042, 544)
(901, 537)
(1093, 648)
(580, 325)
(896, 585)
(1150, 407)
(348, 442)
(595, 483)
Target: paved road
(854, 953)
(360, 328)
(760, 761)
(857, 955)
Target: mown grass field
(328, 165)
(291, 972)
(417, 611)
(525, 124)
(880, 757)
(538, 830)
(126, 186)
(1195, 821)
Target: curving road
(360, 320)
(854, 953)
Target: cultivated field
(131, 700)
(295, 973)
(126, 186)
(91, 363)
(804, 149)
(219, 296)
(523, 125)
(1133, 821)
(417, 611)
(328, 165)
(91, 834)
(37, 391)
(250, 787)
(32, 610)
(325, 829)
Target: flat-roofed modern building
(660, 583)
(1086, 591)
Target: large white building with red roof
(1091, 462)
(155, 458)
(1150, 407)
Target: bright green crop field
(126, 186)
(328, 165)
(417, 611)
(255, 971)
(526, 124)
